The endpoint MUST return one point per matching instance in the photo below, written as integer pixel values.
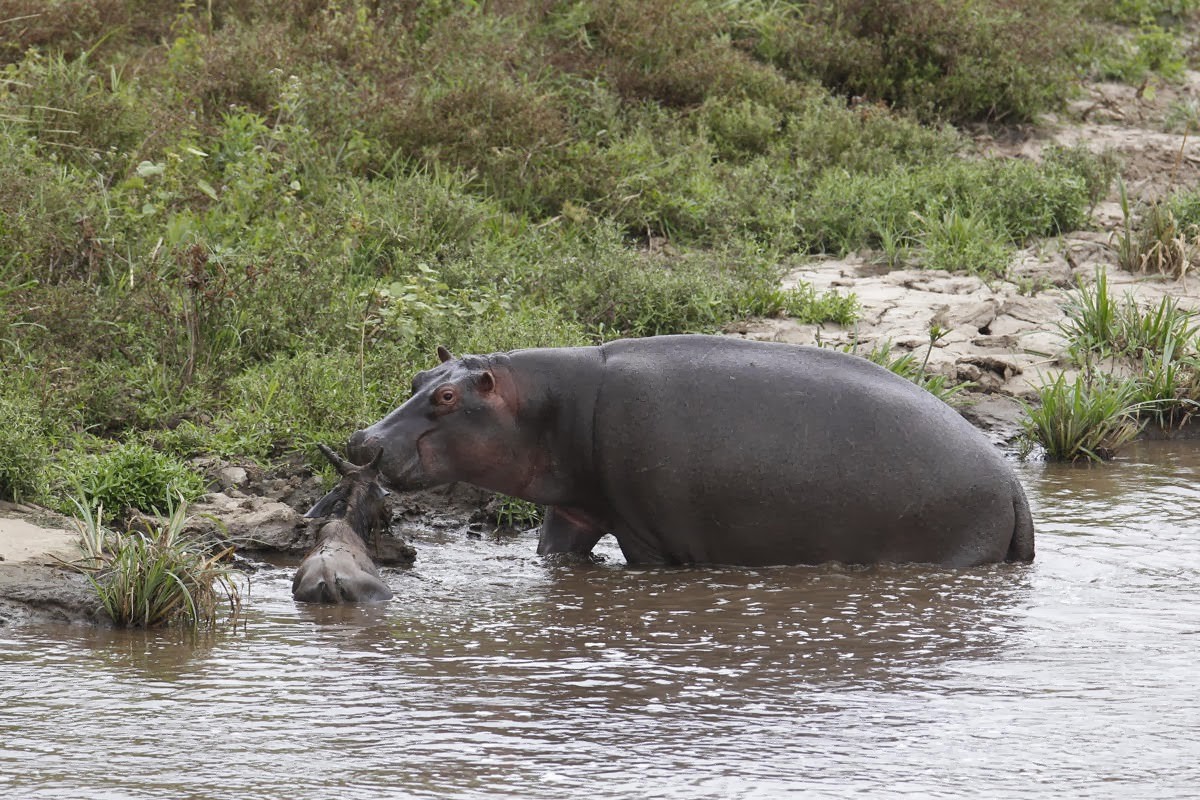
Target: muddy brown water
(493, 674)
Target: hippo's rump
(720, 450)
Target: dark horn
(340, 464)
(375, 461)
(444, 354)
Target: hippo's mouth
(408, 477)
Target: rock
(232, 477)
(36, 593)
(251, 523)
(390, 551)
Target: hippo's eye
(445, 396)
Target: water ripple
(493, 674)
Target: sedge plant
(158, 576)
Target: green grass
(1087, 419)
(239, 228)
(156, 577)
(1156, 344)
(1093, 318)
(1099, 325)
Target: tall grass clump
(1099, 325)
(1093, 318)
(1163, 239)
(962, 241)
(1169, 385)
(1156, 344)
(156, 577)
(1089, 418)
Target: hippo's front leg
(568, 530)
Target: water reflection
(493, 673)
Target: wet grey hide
(339, 569)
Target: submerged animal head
(357, 498)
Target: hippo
(339, 568)
(695, 449)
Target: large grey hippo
(339, 569)
(711, 450)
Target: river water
(493, 674)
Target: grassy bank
(239, 228)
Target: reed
(157, 576)
(1090, 418)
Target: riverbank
(34, 586)
(1000, 335)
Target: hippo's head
(460, 424)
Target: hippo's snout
(361, 446)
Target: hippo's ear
(486, 382)
(444, 354)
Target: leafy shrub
(24, 447)
(1006, 59)
(1134, 12)
(47, 228)
(132, 475)
(1151, 51)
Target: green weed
(1090, 418)
(134, 476)
(512, 512)
(155, 577)
(959, 241)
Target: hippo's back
(720, 450)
